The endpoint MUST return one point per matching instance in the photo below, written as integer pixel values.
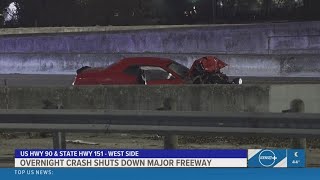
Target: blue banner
(273, 158)
(40, 153)
(296, 157)
(161, 173)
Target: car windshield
(181, 70)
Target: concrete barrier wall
(282, 95)
(239, 65)
(191, 40)
(189, 98)
(216, 98)
(254, 50)
(282, 38)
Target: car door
(156, 75)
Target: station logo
(276, 158)
(267, 158)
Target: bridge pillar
(170, 140)
(297, 106)
(59, 140)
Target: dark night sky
(32, 13)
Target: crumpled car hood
(209, 64)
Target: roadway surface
(66, 80)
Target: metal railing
(160, 122)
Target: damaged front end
(207, 70)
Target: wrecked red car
(155, 71)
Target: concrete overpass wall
(217, 98)
(282, 49)
(299, 65)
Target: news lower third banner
(130, 158)
(264, 158)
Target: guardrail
(160, 122)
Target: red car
(155, 71)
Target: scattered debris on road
(81, 142)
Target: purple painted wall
(283, 49)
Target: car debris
(155, 71)
(81, 142)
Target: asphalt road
(66, 80)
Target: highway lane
(36, 80)
(66, 80)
